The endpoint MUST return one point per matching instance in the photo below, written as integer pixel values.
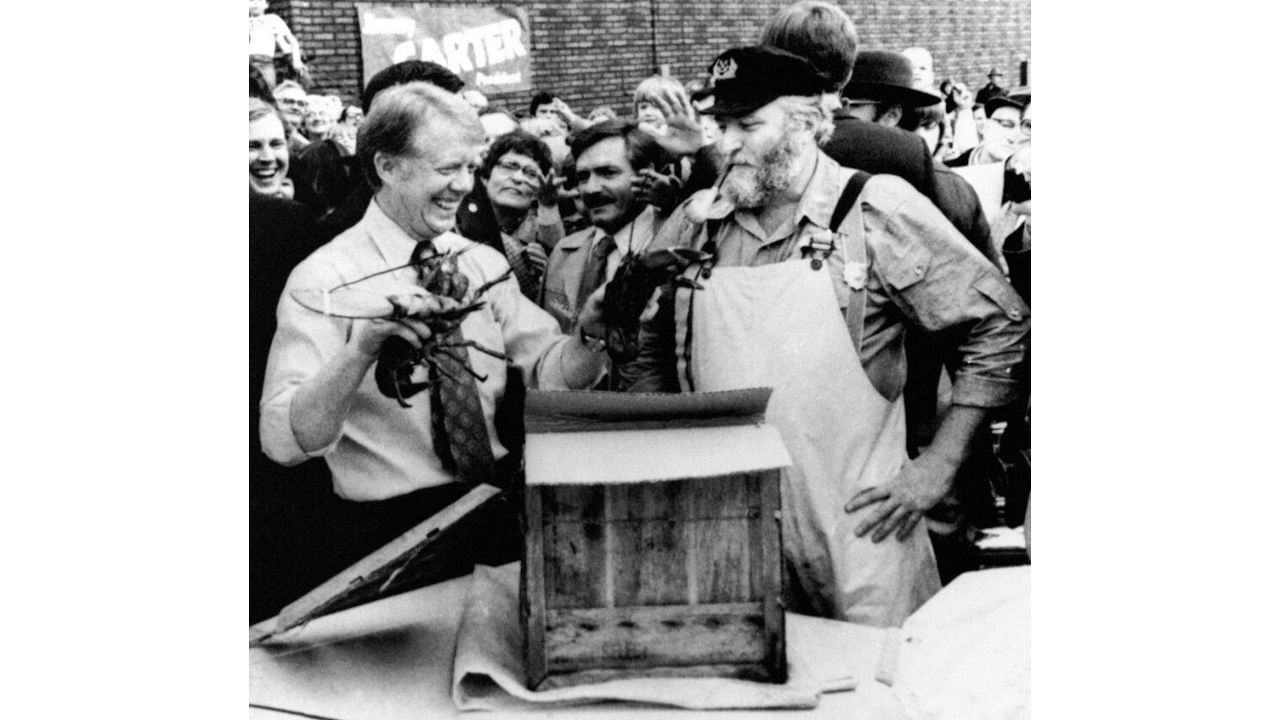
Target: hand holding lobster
(438, 306)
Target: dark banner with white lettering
(486, 46)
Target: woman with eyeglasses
(513, 207)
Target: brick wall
(594, 52)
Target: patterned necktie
(594, 274)
(458, 431)
(528, 275)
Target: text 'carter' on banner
(488, 47)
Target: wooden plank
(718, 561)
(533, 599)
(755, 672)
(763, 521)
(770, 567)
(575, 560)
(642, 637)
(574, 503)
(648, 544)
(426, 553)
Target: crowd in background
(564, 195)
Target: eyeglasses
(1011, 125)
(512, 167)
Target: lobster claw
(394, 370)
(623, 344)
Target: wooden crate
(652, 546)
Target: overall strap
(855, 252)
(684, 305)
(852, 190)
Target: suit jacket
(476, 220)
(322, 175)
(281, 235)
(877, 149)
(988, 91)
(565, 267)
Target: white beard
(751, 188)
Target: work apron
(781, 326)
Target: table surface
(393, 659)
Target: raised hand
(684, 131)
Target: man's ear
(385, 165)
(804, 121)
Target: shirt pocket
(905, 270)
(1003, 295)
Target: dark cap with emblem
(745, 79)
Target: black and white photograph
(643, 359)
(640, 359)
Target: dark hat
(999, 101)
(886, 76)
(995, 72)
(747, 78)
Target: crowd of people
(838, 254)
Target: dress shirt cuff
(556, 371)
(984, 392)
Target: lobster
(398, 359)
(631, 290)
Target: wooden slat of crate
(754, 672)
(577, 559)
(723, 552)
(648, 545)
(769, 568)
(636, 637)
(533, 597)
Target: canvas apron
(781, 326)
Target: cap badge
(724, 69)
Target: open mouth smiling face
(268, 154)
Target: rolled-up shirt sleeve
(941, 283)
(532, 338)
(304, 341)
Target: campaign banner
(486, 46)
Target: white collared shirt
(635, 236)
(385, 450)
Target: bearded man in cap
(811, 282)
